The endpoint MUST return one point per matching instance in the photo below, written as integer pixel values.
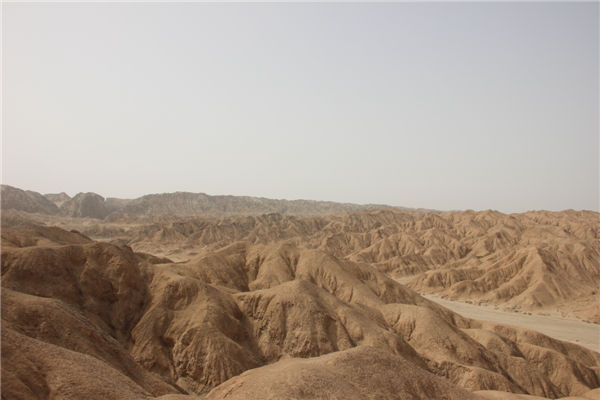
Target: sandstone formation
(32, 202)
(58, 198)
(174, 204)
(89, 205)
(536, 261)
(253, 318)
(194, 204)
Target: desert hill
(93, 205)
(89, 319)
(16, 199)
(57, 198)
(89, 205)
(190, 204)
(534, 261)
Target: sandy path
(570, 330)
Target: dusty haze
(443, 106)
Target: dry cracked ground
(289, 307)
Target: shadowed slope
(33, 369)
(57, 327)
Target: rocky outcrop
(13, 198)
(82, 205)
(245, 319)
(93, 205)
(58, 198)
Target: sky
(436, 105)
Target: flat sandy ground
(570, 330)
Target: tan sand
(568, 329)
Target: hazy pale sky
(436, 105)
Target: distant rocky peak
(89, 204)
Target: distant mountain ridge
(26, 200)
(93, 205)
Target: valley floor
(571, 330)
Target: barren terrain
(573, 330)
(284, 306)
(536, 261)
